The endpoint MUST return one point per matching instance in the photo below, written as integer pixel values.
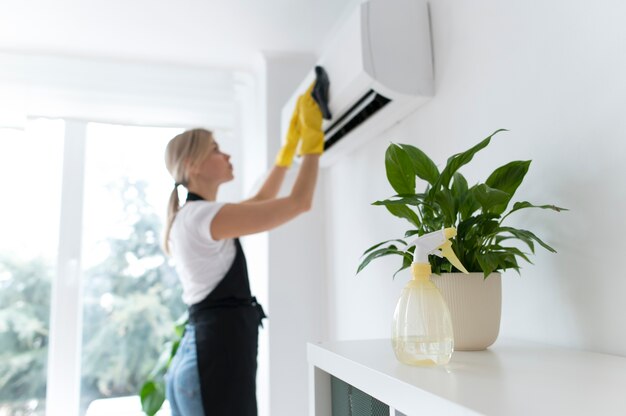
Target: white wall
(295, 307)
(553, 73)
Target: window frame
(64, 348)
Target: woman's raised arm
(235, 220)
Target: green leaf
(460, 194)
(525, 234)
(152, 397)
(447, 204)
(400, 172)
(516, 252)
(459, 186)
(406, 263)
(458, 160)
(469, 204)
(423, 166)
(529, 242)
(163, 362)
(505, 260)
(402, 211)
(465, 225)
(446, 267)
(488, 262)
(410, 233)
(490, 198)
(525, 204)
(175, 345)
(182, 319)
(380, 253)
(487, 226)
(180, 324)
(478, 221)
(507, 179)
(510, 262)
(414, 199)
(380, 244)
(525, 239)
(432, 220)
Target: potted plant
(483, 241)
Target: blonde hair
(182, 152)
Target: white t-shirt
(201, 261)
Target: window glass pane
(30, 179)
(131, 294)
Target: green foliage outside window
(24, 311)
(122, 337)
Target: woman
(214, 370)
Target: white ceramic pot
(475, 307)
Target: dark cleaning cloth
(320, 91)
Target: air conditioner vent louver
(368, 105)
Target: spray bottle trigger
(447, 252)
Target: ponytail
(172, 209)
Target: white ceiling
(224, 34)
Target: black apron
(227, 328)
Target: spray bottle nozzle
(436, 243)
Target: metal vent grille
(364, 108)
(350, 401)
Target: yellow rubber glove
(310, 124)
(286, 153)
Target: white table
(510, 378)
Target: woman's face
(216, 166)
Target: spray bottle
(422, 329)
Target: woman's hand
(310, 118)
(286, 153)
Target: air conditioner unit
(380, 70)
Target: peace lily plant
(477, 212)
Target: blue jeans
(182, 379)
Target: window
(82, 278)
(131, 294)
(30, 179)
